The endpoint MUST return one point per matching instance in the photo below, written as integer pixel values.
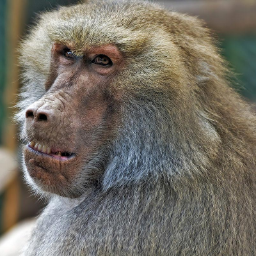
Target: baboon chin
(132, 131)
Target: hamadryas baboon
(132, 132)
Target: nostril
(29, 114)
(37, 115)
(41, 117)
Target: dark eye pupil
(68, 53)
(102, 60)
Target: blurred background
(233, 22)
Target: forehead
(99, 24)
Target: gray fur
(179, 177)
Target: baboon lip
(58, 155)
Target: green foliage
(240, 51)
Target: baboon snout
(41, 112)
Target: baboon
(132, 132)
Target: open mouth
(61, 155)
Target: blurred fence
(2, 64)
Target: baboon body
(134, 135)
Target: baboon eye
(102, 60)
(68, 53)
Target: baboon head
(116, 92)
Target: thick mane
(128, 108)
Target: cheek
(95, 115)
(97, 125)
(93, 118)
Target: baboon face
(74, 119)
